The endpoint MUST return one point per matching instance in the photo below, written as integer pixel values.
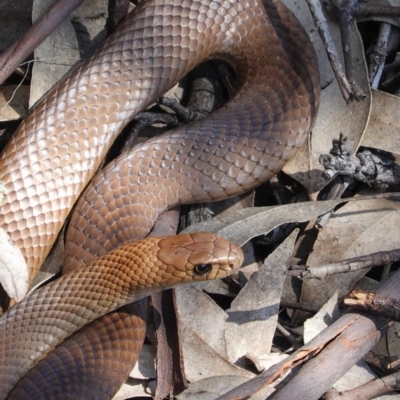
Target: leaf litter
(235, 339)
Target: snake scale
(60, 144)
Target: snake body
(59, 146)
(37, 324)
(90, 364)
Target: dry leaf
(13, 268)
(263, 363)
(383, 130)
(89, 21)
(253, 315)
(393, 342)
(131, 389)
(202, 325)
(61, 50)
(202, 315)
(246, 224)
(356, 376)
(334, 115)
(205, 363)
(211, 388)
(328, 314)
(13, 102)
(54, 56)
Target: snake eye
(202, 269)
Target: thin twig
(369, 390)
(322, 26)
(348, 265)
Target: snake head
(198, 256)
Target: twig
(369, 390)
(287, 335)
(374, 303)
(349, 265)
(362, 9)
(322, 25)
(43, 27)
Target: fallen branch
(374, 303)
(12, 57)
(369, 390)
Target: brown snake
(37, 324)
(61, 143)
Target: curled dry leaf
(334, 115)
(246, 224)
(356, 229)
(13, 268)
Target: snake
(57, 149)
(37, 324)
